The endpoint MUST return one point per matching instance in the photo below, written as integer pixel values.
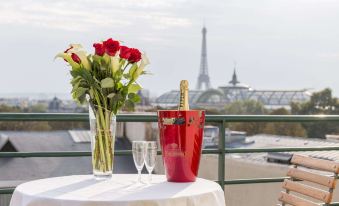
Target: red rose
(135, 55)
(99, 49)
(125, 52)
(76, 58)
(111, 46)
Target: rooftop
(35, 167)
(269, 141)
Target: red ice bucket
(181, 135)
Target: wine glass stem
(139, 176)
(150, 177)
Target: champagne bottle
(183, 105)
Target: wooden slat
(314, 163)
(318, 194)
(329, 182)
(294, 200)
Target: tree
(36, 108)
(283, 128)
(211, 111)
(6, 108)
(248, 107)
(245, 107)
(21, 125)
(321, 102)
(37, 126)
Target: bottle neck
(184, 105)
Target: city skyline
(277, 45)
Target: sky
(277, 44)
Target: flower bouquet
(107, 79)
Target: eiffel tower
(203, 78)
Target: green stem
(125, 67)
(103, 133)
(99, 150)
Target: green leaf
(146, 72)
(129, 105)
(134, 88)
(79, 83)
(118, 97)
(78, 92)
(124, 91)
(117, 75)
(82, 98)
(111, 95)
(74, 73)
(127, 76)
(134, 97)
(91, 93)
(107, 83)
(75, 87)
(96, 58)
(75, 80)
(137, 99)
(133, 69)
(122, 63)
(118, 86)
(83, 84)
(82, 72)
(95, 65)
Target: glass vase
(103, 128)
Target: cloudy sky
(277, 44)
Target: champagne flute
(150, 157)
(138, 150)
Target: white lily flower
(143, 63)
(68, 58)
(84, 61)
(114, 64)
(144, 59)
(76, 46)
(78, 50)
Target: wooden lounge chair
(321, 196)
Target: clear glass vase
(103, 127)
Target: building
(217, 98)
(57, 105)
(234, 91)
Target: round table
(121, 190)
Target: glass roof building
(234, 91)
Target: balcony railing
(220, 120)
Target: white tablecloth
(121, 190)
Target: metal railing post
(221, 159)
